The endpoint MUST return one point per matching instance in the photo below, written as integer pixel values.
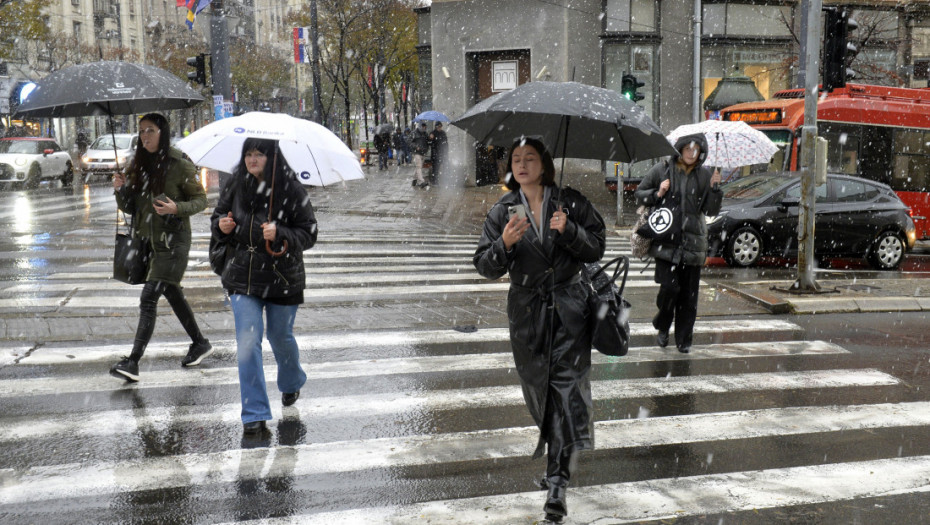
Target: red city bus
(875, 132)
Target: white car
(98, 159)
(29, 160)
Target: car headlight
(121, 160)
(20, 161)
(716, 218)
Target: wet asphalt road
(411, 417)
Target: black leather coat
(251, 270)
(551, 347)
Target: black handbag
(219, 254)
(131, 256)
(610, 312)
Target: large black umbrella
(107, 88)
(575, 120)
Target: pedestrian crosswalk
(410, 421)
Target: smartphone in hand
(162, 198)
(519, 210)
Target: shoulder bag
(219, 254)
(664, 221)
(610, 312)
(639, 245)
(131, 255)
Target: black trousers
(148, 306)
(677, 299)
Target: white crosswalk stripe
(428, 425)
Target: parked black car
(854, 217)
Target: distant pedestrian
(399, 141)
(543, 248)
(408, 159)
(258, 281)
(679, 261)
(420, 143)
(439, 144)
(161, 191)
(382, 145)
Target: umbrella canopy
(730, 144)
(318, 156)
(387, 127)
(574, 120)
(431, 115)
(107, 88)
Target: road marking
(61, 481)
(374, 404)
(59, 353)
(659, 499)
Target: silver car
(99, 157)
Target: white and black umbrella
(316, 154)
(107, 88)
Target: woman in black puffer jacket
(679, 260)
(257, 280)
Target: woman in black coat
(264, 271)
(547, 304)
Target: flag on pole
(194, 7)
(301, 45)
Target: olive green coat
(170, 237)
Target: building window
(768, 67)
(748, 20)
(630, 16)
(76, 28)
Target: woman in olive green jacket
(161, 192)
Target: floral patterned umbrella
(730, 144)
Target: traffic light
(629, 88)
(199, 75)
(836, 45)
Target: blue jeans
(247, 312)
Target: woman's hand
(558, 220)
(663, 188)
(514, 231)
(269, 231)
(227, 224)
(165, 207)
(118, 180)
(715, 179)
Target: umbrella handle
(274, 167)
(273, 253)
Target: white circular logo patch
(660, 220)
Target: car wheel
(67, 178)
(887, 251)
(35, 175)
(744, 247)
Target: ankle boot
(558, 474)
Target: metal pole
(315, 64)
(806, 217)
(696, 73)
(802, 54)
(219, 51)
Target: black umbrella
(575, 120)
(107, 88)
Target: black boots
(558, 473)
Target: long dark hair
(150, 168)
(276, 171)
(548, 174)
